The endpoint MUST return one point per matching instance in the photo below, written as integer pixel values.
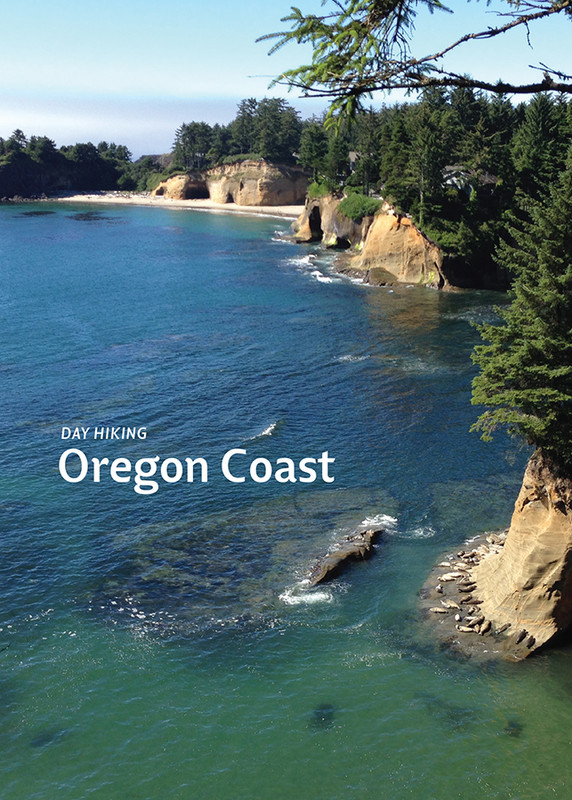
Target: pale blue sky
(131, 71)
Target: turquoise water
(164, 645)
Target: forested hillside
(459, 161)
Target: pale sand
(134, 199)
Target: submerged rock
(323, 716)
(356, 547)
(513, 728)
(48, 737)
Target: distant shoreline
(134, 199)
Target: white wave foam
(384, 520)
(413, 365)
(319, 276)
(302, 261)
(299, 595)
(269, 431)
(351, 358)
(422, 533)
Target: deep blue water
(163, 645)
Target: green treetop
(526, 363)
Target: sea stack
(529, 582)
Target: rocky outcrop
(396, 250)
(356, 547)
(257, 183)
(248, 183)
(528, 584)
(188, 186)
(514, 588)
(390, 248)
(321, 222)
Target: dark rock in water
(90, 216)
(49, 736)
(356, 547)
(13, 506)
(323, 716)
(513, 728)
(450, 714)
(35, 213)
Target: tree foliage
(362, 46)
(526, 363)
(36, 166)
(269, 128)
(193, 142)
(358, 206)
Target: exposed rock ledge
(356, 547)
(390, 248)
(246, 183)
(519, 591)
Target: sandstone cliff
(395, 249)
(391, 249)
(257, 183)
(247, 183)
(528, 584)
(188, 186)
(321, 222)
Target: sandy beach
(132, 198)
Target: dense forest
(459, 161)
(35, 166)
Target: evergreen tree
(526, 365)
(17, 142)
(243, 127)
(501, 123)
(313, 148)
(278, 128)
(42, 149)
(192, 143)
(428, 128)
(366, 141)
(537, 153)
(220, 143)
(395, 146)
(337, 164)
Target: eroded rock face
(321, 222)
(529, 583)
(390, 248)
(248, 183)
(189, 186)
(395, 249)
(257, 183)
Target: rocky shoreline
(451, 612)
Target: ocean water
(164, 645)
